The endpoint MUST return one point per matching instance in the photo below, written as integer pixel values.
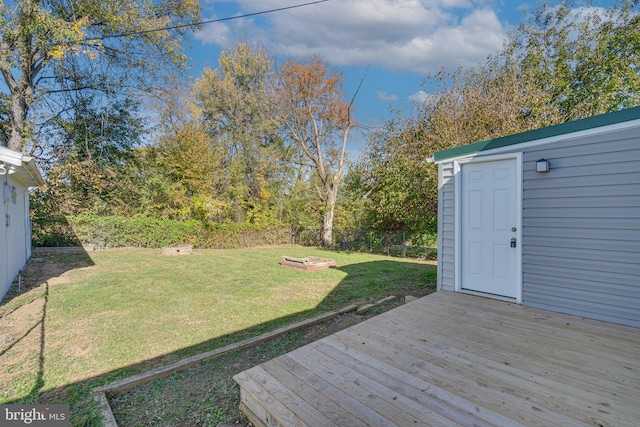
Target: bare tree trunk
(331, 194)
(22, 93)
(18, 118)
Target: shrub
(150, 232)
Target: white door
(489, 228)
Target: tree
(236, 109)
(398, 185)
(93, 169)
(562, 63)
(314, 117)
(490, 100)
(584, 59)
(195, 171)
(51, 51)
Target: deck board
(552, 355)
(454, 359)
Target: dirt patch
(47, 266)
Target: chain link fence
(391, 243)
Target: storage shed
(17, 174)
(548, 218)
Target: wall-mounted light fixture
(3, 169)
(542, 165)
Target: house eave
(23, 168)
(603, 123)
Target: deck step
(259, 404)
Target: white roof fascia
(10, 157)
(26, 168)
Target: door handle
(513, 242)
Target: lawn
(113, 313)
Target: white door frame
(457, 165)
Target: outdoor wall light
(3, 169)
(542, 165)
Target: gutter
(32, 168)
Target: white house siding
(19, 174)
(581, 227)
(15, 247)
(446, 227)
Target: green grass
(206, 394)
(131, 310)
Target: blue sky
(392, 44)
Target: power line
(194, 24)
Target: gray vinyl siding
(581, 227)
(446, 227)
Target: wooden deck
(454, 359)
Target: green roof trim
(532, 135)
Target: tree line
(252, 142)
(241, 143)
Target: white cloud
(406, 35)
(386, 96)
(420, 98)
(216, 34)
